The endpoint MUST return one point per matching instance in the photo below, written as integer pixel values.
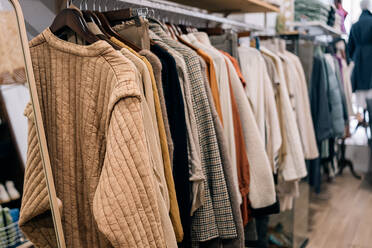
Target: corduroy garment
(214, 218)
(100, 161)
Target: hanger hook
(99, 5)
(106, 5)
(68, 3)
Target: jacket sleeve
(125, 205)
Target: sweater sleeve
(125, 205)
(35, 217)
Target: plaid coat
(214, 219)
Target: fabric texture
(153, 139)
(261, 186)
(173, 208)
(236, 65)
(335, 98)
(293, 165)
(211, 73)
(275, 146)
(214, 218)
(196, 174)
(157, 69)
(136, 32)
(318, 99)
(228, 171)
(226, 42)
(252, 69)
(241, 153)
(201, 41)
(302, 106)
(114, 147)
(176, 113)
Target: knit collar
(91, 50)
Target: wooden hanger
(106, 26)
(213, 31)
(115, 17)
(90, 17)
(71, 18)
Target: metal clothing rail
(187, 11)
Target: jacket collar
(366, 12)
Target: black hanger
(71, 18)
(106, 26)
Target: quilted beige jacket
(91, 109)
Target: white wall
(353, 8)
(39, 14)
(258, 19)
(16, 98)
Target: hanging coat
(360, 50)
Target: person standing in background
(360, 51)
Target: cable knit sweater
(91, 110)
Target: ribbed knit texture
(90, 105)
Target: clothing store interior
(185, 124)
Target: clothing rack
(177, 13)
(295, 38)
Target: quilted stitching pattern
(93, 121)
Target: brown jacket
(99, 159)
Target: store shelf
(231, 6)
(179, 11)
(315, 28)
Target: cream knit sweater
(91, 110)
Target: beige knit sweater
(91, 110)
